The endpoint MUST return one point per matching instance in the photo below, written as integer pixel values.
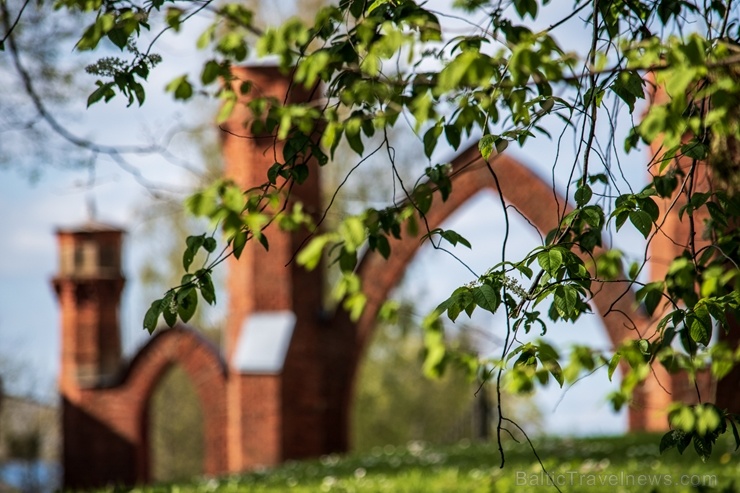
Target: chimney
(88, 286)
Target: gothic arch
(207, 372)
(533, 198)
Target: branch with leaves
(501, 82)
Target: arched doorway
(176, 435)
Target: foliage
(578, 465)
(501, 82)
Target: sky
(31, 211)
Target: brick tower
(89, 286)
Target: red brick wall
(105, 429)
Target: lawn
(609, 464)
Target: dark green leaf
(735, 434)
(683, 441)
(118, 37)
(486, 297)
(187, 258)
(383, 246)
(210, 244)
(652, 299)
(194, 242)
(700, 325)
(103, 91)
(670, 440)
(454, 238)
(703, 447)
(187, 301)
(452, 133)
(642, 221)
(169, 308)
(430, 139)
(347, 260)
(423, 198)
(211, 71)
(240, 239)
(152, 315)
(207, 289)
(300, 173)
(583, 195)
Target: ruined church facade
(282, 385)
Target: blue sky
(29, 332)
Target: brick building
(282, 385)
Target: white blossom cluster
(509, 283)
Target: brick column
(273, 415)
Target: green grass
(609, 464)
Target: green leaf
(118, 37)
(703, 447)
(300, 173)
(169, 308)
(352, 231)
(311, 254)
(628, 86)
(238, 243)
(423, 198)
(642, 221)
(700, 325)
(187, 258)
(347, 260)
(172, 17)
(211, 71)
(203, 203)
(486, 297)
(644, 346)
(233, 198)
(565, 301)
(355, 304)
(152, 315)
(583, 195)
(670, 440)
(735, 434)
(431, 137)
(613, 364)
(683, 441)
(210, 244)
(454, 238)
(226, 109)
(180, 87)
(380, 244)
(452, 133)
(187, 301)
(103, 91)
(550, 260)
(486, 145)
(207, 290)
